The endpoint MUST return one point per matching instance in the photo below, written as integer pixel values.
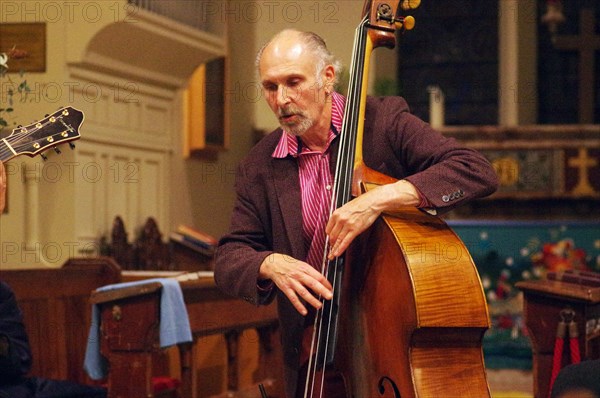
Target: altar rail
(539, 161)
(545, 171)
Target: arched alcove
(151, 49)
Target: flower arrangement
(9, 87)
(560, 256)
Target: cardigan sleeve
(446, 173)
(15, 354)
(243, 249)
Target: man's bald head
(299, 41)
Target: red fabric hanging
(567, 315)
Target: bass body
(414, 318)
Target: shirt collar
(290, 145)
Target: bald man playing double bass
(276, 242)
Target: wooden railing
(203, 15)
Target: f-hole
(381, 386)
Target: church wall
(129, 160)
(32, 208)
(209, 181)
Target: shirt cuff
(425, 204)
(264, 286)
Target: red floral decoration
(561, 256)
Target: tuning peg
(57, 150)
(410, 4)
(407, 23)
(72, 145)
(44, 157)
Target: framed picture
(26, 45)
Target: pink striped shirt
(316, 181)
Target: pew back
(57, 312)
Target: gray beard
(298, 129)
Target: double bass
(408, 314)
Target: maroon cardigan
(267, 215)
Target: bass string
(342, 192)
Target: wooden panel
(538, 162)
(57, 314)
(124, 181)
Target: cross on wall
(583, 162)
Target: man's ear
(329, 78)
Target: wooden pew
(129, 313)
(57, 313)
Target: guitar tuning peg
(57, 150)
(44, 157)
(72, 145)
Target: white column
(517, 68)
(31, 245)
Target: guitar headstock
(58, 128)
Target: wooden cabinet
(544, 301)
